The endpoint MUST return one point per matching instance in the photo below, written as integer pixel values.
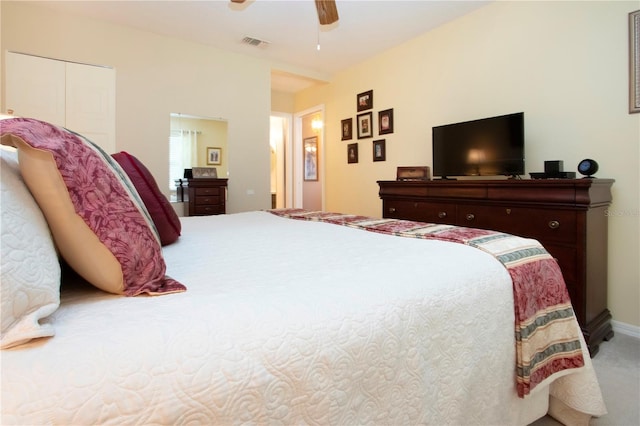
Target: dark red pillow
(164, 217)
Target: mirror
(196, 141)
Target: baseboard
(626, 329)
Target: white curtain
(183, 153)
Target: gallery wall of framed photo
(366, 129)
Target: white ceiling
(365, 28)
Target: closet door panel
(35, 87)
(90, 106)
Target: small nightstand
(205, 196)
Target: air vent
(255, 42)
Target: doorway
(289, 189)
(280, 145)
(309, 127)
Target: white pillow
(29, 267)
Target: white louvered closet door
(35, 87)
(90, 106)
(77, 96)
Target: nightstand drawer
(207, 191)
(203, 200)
(208, 210)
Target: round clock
(588, 167)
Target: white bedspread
(287, 322)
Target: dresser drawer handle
(442, 215)
(470, 216)
(554, 224)
(392, 209)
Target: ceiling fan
(327, 10)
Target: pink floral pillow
(99, 224)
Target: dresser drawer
(541, 224)
(566, 257)
(420, 211)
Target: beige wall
(156, 76)
(565, 64)
(282, 102)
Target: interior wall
(282, 102)
(565, 64)
(155, 76)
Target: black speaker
(553, 167)
(588, 167)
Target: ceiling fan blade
(237, 1)
(327, 11)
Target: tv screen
(491, 146)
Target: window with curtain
(183, 151)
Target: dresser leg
(598, 330)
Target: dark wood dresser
(568, 216)
(205, 196)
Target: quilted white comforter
(289, 322)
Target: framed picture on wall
(311, 158)
(347, 129)
(214, 156)
(365, 100)
(352, 153)
(385, 121)
(365, 125)
(379, 150)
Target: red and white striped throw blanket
(547, 335)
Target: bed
(264, 317)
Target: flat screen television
(491, 146)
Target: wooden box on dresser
(568, 216)
(205, 196)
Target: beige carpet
(617, 366)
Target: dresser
(568, 216)
(205, 196)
